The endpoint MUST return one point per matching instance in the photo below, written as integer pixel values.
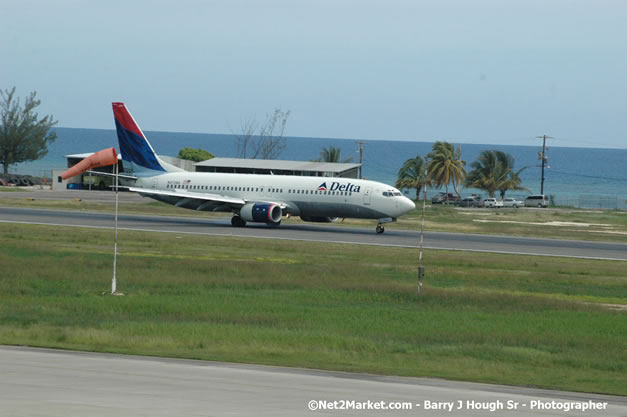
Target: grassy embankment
(4, 189)
(482, 317)
(600, 225)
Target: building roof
(277, 164)
(82, 155)
(181, 163)
(260, 164)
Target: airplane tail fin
(137, 153)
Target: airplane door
(367, 196)
(154, 183)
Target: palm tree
(494, 171)
(412, 175)
(486, 173)
(445, 166)
(332, 154)
(512, 180)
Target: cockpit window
(398, 194)
(385, 194)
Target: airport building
(278, 167)
(222, 165)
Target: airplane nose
(408, 205)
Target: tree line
(492, 171)
(24, 136)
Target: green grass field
(10, 189)
(520, 320)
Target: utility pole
(542, 156)
(361, 151)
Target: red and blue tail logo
(134, 146)
(322, 187)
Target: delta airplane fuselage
(314, 198)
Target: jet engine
(261, 213)
(319, 219)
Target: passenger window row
(212, 188)
(320, 192)
(256, 189)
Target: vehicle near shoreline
(474, 201)
(512, 202)
(538, 200)
(492, 203)
(444, 198)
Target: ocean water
(580, 177)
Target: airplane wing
(188, 199)
(199, 201)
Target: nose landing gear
(380, 228)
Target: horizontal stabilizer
(108, 174)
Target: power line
(586, 176)
(587, 141)
(387, 168)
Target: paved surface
(85, 195)
(320, 233)
(41, 382)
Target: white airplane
(251, 198)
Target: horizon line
(455, 142)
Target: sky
(464, 71)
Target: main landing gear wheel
(380, 229)
(236, 221)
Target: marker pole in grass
(421, 269)
(115, 239)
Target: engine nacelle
(319, 219)
(261, 213)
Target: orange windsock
(101, 158)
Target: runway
(323, 233)
(43, 382)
